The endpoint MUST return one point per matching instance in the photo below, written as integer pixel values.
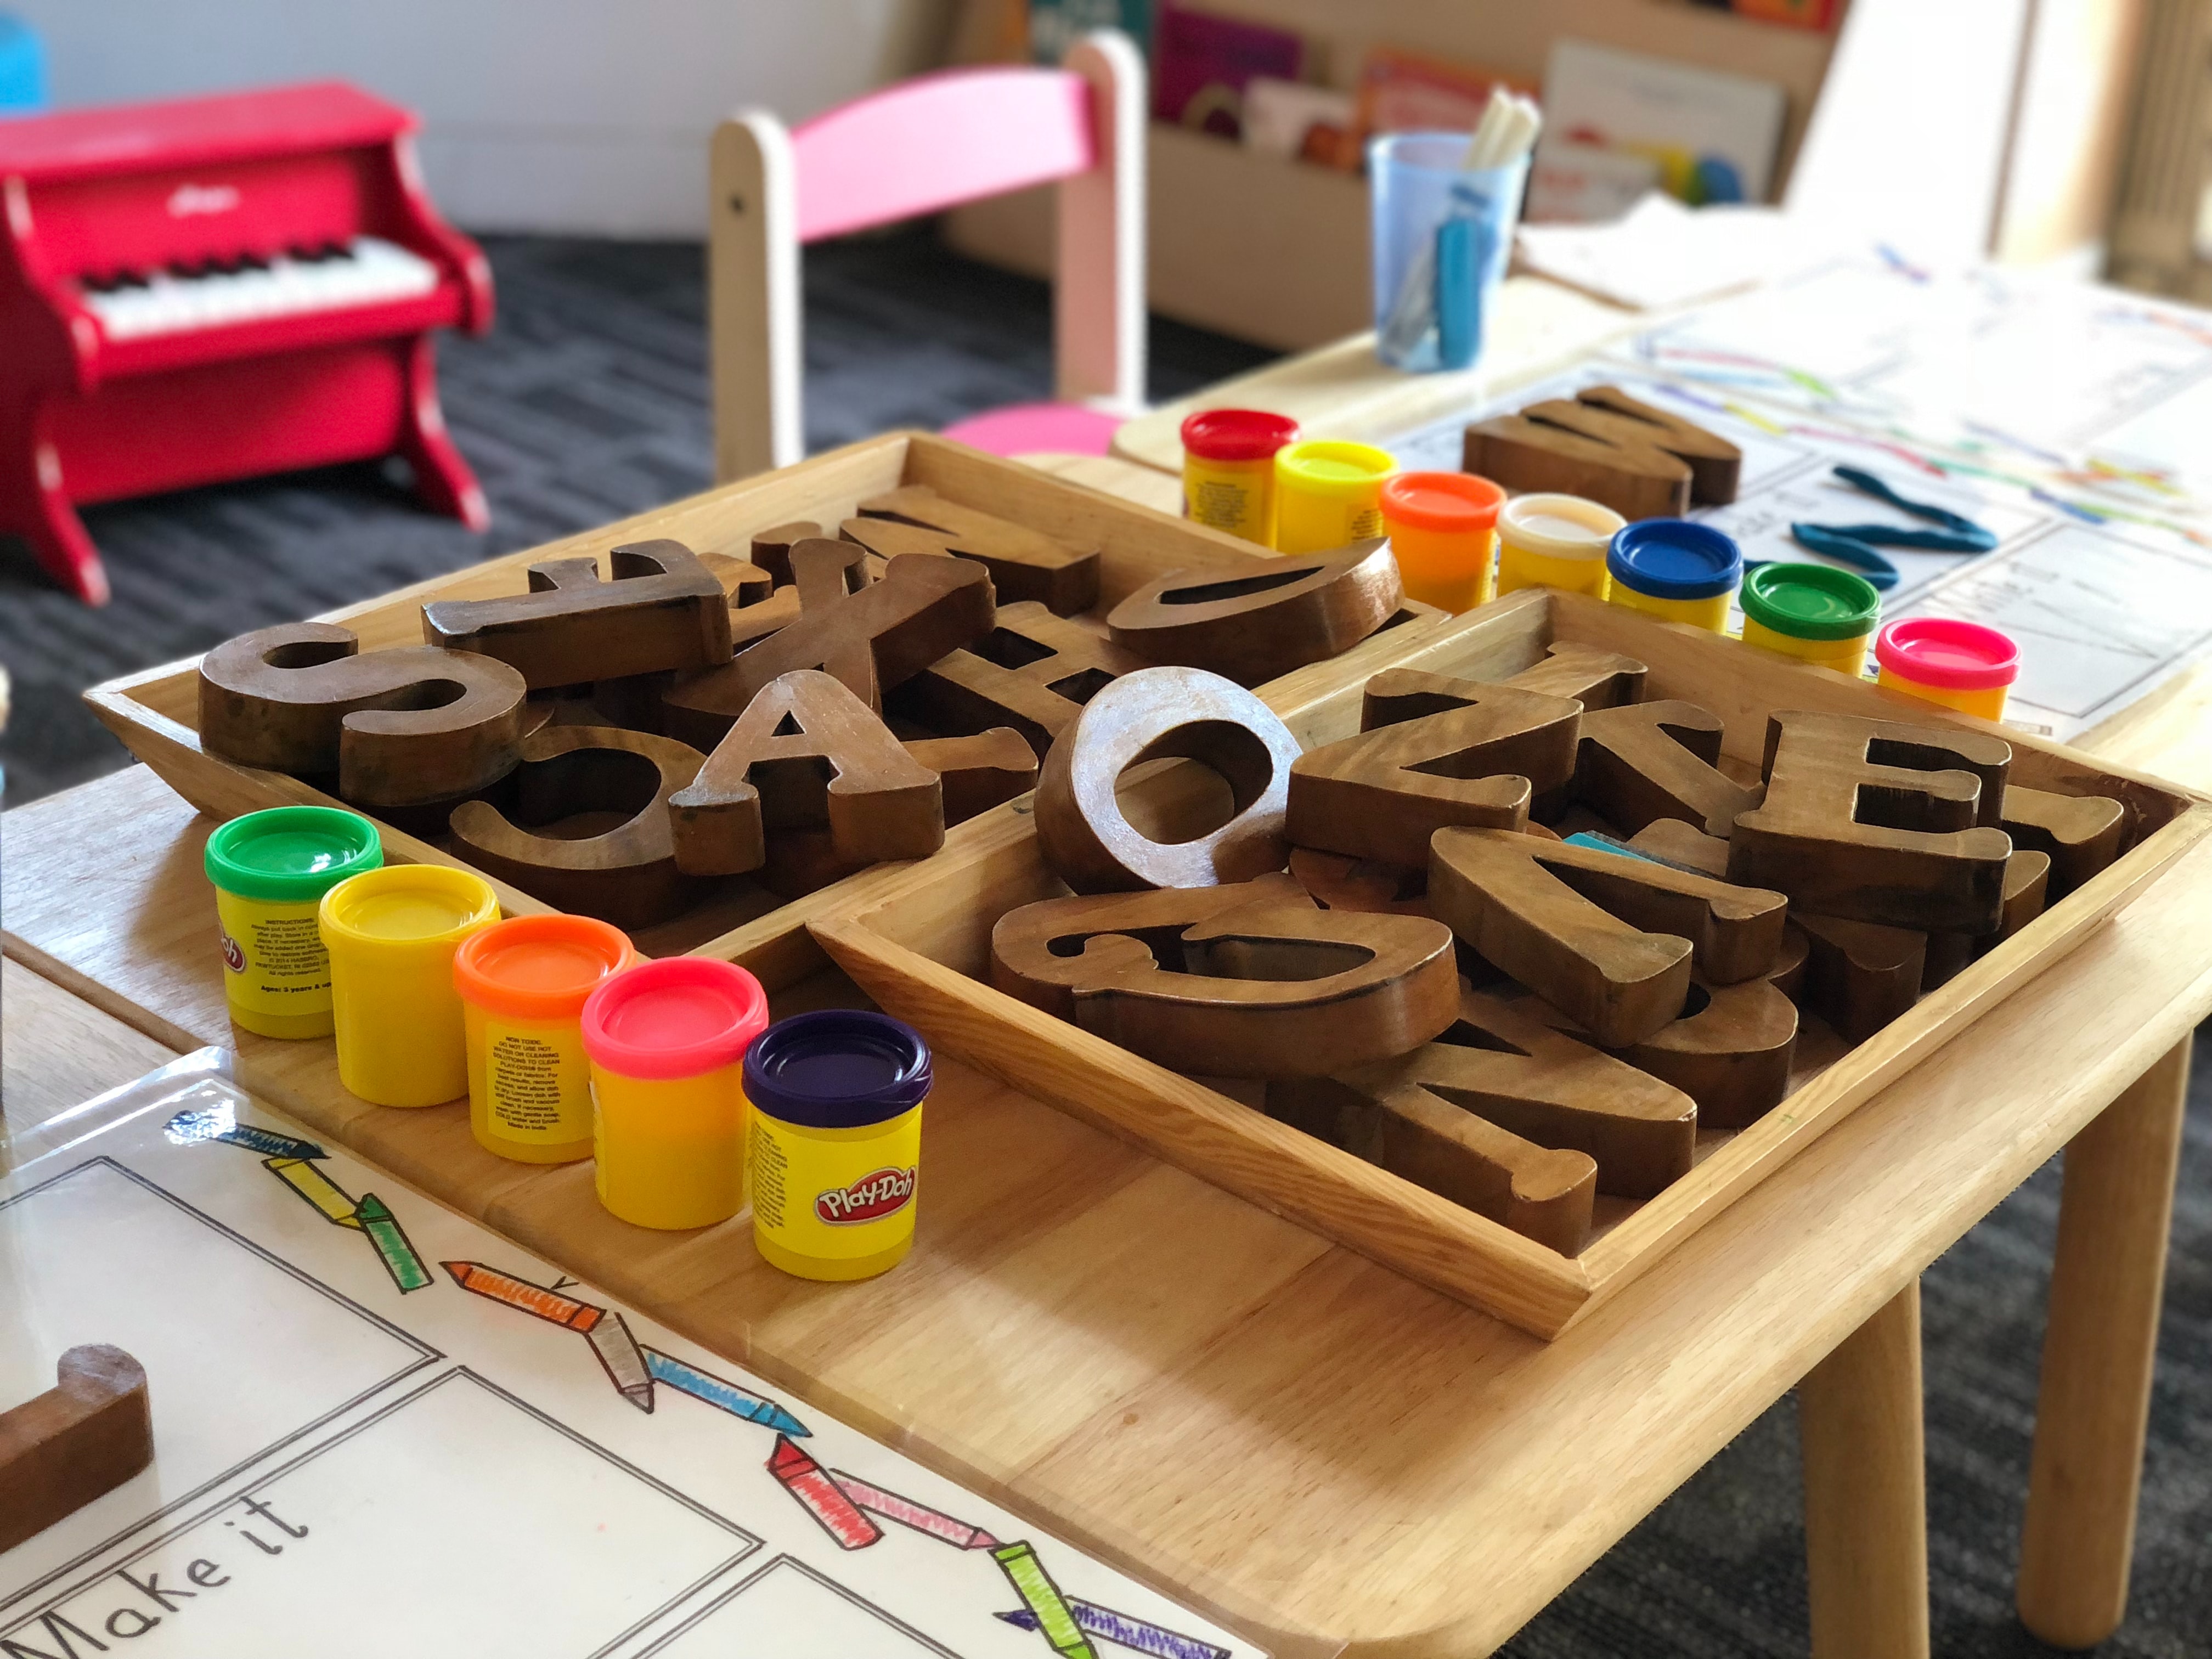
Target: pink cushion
(1031, 429)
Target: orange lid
(1455, 503)
(539, 967)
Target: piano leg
(442, 478)
(35, 506)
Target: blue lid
(840, 1068)
(1674, 559)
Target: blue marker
(220, 1124)
(738, 1402)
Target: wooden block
(1032, 671)
(607, 790)
(1525, 454)
(1384, 794)
(663, 610)
(1023, 563)
(1730, 1051)
(1683, 845)
(1879, 822)
(1245, 980)
(1714, 463)
(1859, 976)
(2083, 834)
(882, 634)
(398, 728)
(85, 1436)
(2027, 885)
(1336, 881)
(1252, 625)
(1594, 678)
(1653, 760)
(807, 754)
(772, 548)
(1606, 939)
(1447, 1149)
(977, 772)
(1152, 714)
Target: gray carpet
(589, 402)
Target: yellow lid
(1335, 466)
(1558, 526)
(408, 905)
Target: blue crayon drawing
(704, 1385)
(222, 1124)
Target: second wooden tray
(921, 947)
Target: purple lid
(839, 1068)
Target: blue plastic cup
(1441, 240)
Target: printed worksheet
(379, 1429)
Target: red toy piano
(217, 288)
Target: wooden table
(2108, 1271)
(1305, 1445)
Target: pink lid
(1948, 654)
(678, 1017)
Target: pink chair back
(937, 142)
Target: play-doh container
(524, 983)
(1813, 611)
(1555, 541)
(1229, 470)
(270, 870)
(667, 1041)
(391, 934)
(1327, 494)
(1960, 665)
(836, 1101)
(1675, 570)
(1443, 528)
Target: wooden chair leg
(2105, 1284)
(1866, 1502)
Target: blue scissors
(1855, 544)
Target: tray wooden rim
(1449, 1249)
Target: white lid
(1558, 526)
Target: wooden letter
(1858, 975)
(1033, 672)
(1525, 453)
(665, 608)
(1248, 980)
(977, 772)
(1672, 840)
(614, 787)
(807, 754)
(1658, 760)
(1880, 822)
(1594, 678)
(1336, 881)
(1252, 624)
(399, 727)
(1606, 939)
(1730, 1051)
(1151, 714)
(772, 548)
(2082, 833)
(1384, 794)
(2027, 887)
(881, 636)
(1023, 563)
(1714, 463)
(85, 1436)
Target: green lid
(1810, 601)
(291, 854)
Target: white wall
(587, 116)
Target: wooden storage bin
(921, 947)
(154, 712)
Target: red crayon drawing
(807, 1480)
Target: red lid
(1237, 435)
(1948, 654)
(1455, 503)
(678, 1017)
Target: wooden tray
(154, 712)
(920, 945)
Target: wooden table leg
(2097, 1352)
(1866, 1498)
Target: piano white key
(375, 271)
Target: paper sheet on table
(1662, 254)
